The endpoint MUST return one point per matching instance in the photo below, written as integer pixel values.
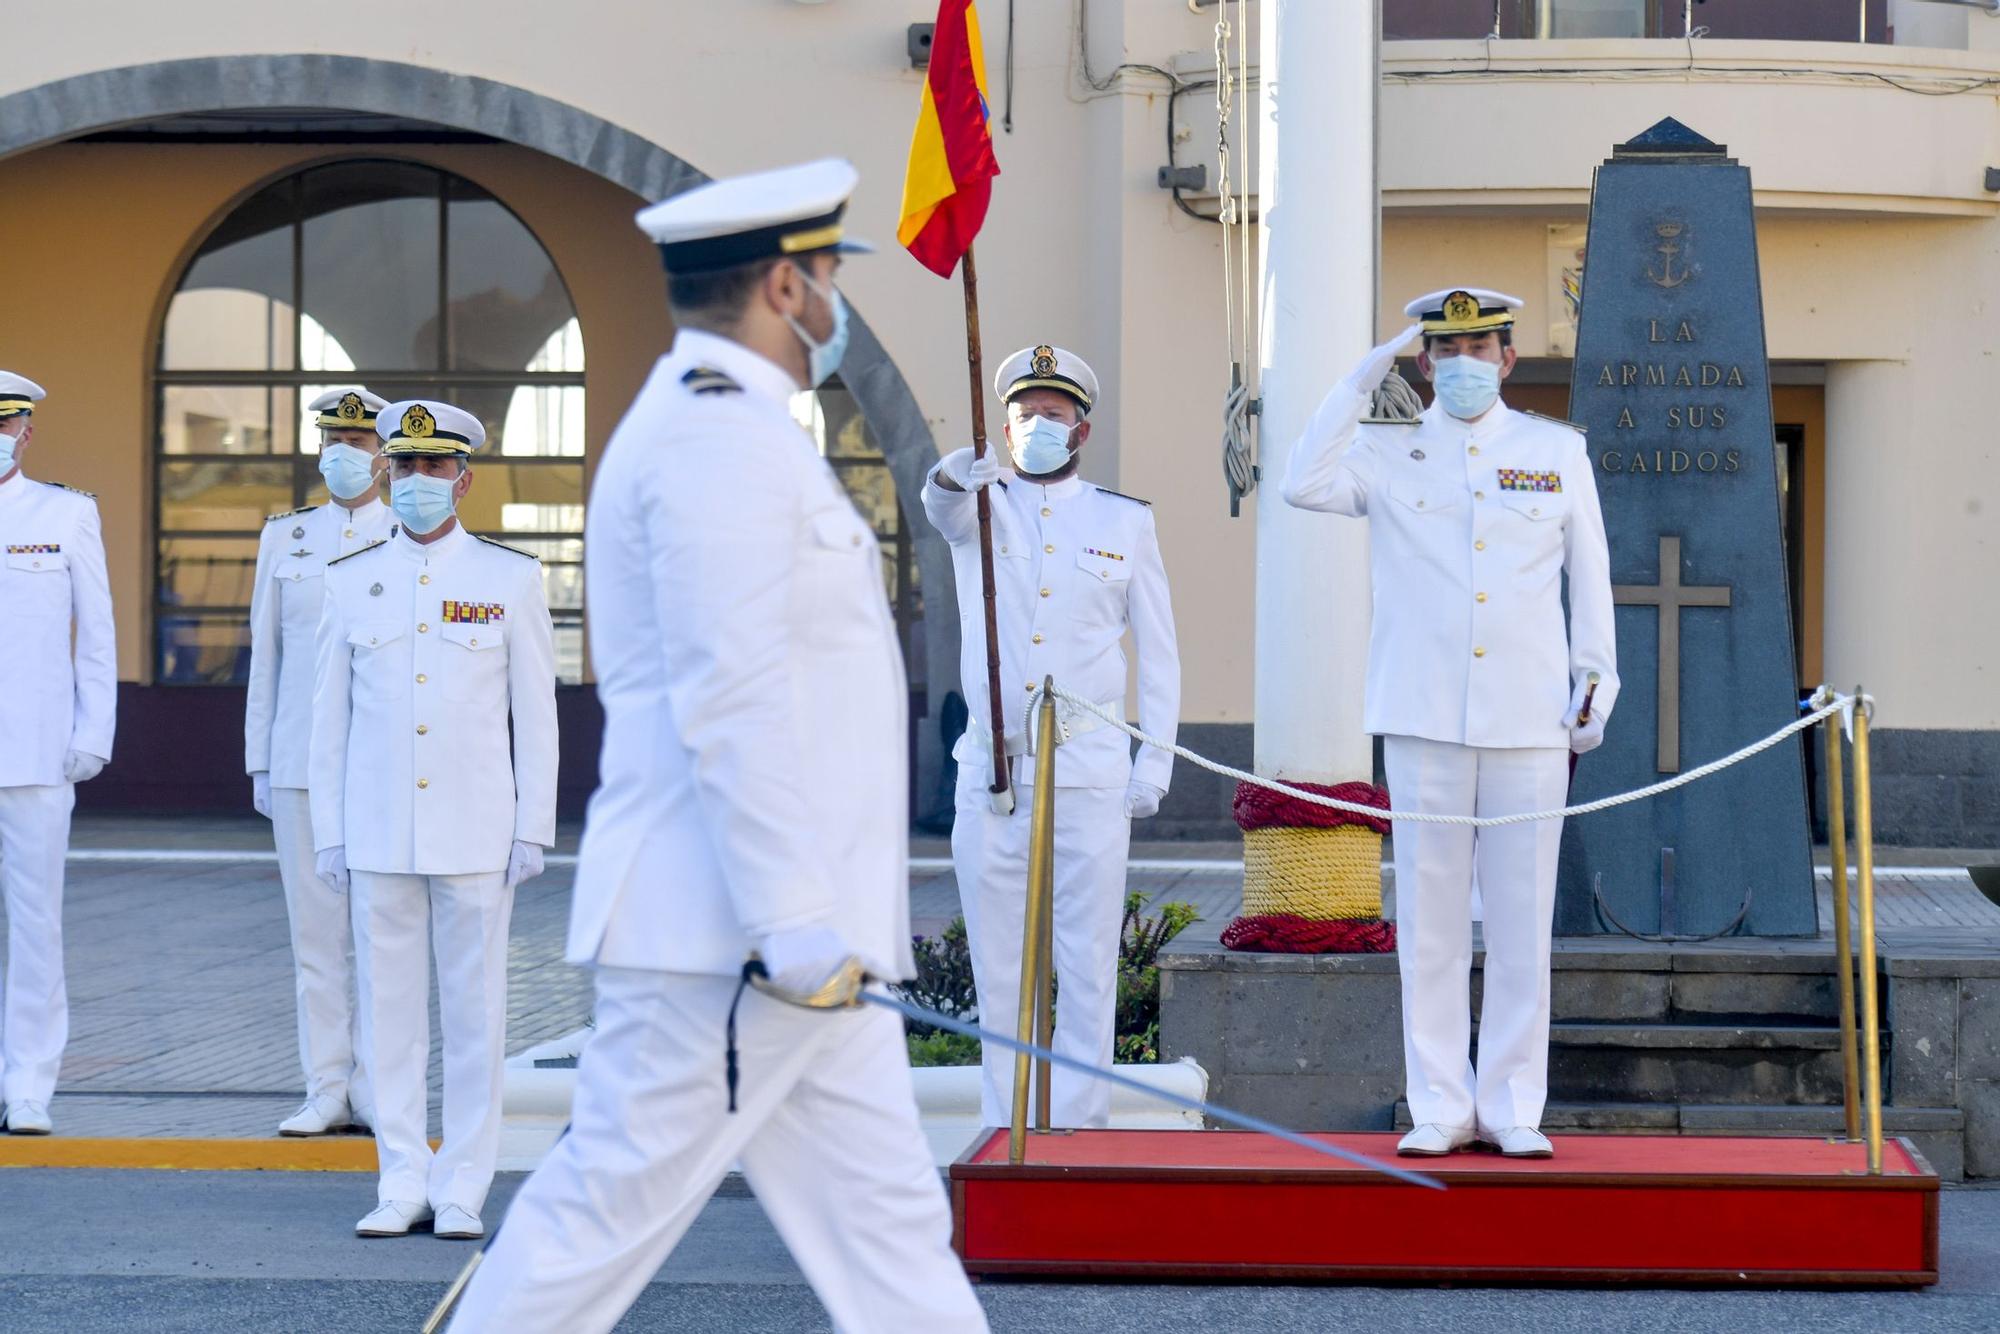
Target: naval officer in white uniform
(56, 718)
(1476, 516)
(433, 646)
(752, 797)
(292, 555)
(1075, 568)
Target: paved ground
(181, 982)
(202, 1252)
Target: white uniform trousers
(34, 1028)
(322, 960)
(1515, 866)
(825, 1128)
(395, 917)
(990, 854)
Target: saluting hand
(1368, 376)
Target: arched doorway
(304, 98)
(401, 276)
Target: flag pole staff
(1000, 789)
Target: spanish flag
(951, 156)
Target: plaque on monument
(1671, 383)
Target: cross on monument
(1670, 595)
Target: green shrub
(944, 983)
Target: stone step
(1659, 995)
(1735, 1064)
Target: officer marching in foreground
(1476, 513)
(429, 644)
(56, 720)
(752, 798)
(292, 555)
(1074, 567)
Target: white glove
(1584, 739)
(260, 792)
(1142, 799)
(332, 867)
(523, 863)
(804, 957)
(969, 473)
(80, 766)
(1368, 376)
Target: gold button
(423, 578)
(423, 782)
(1038, 639)
(348, 533)
(1050, 548)
(373, 640)
(423, 629)
(1536, 513)
(1046, 511)
(1481, 597)
(423, 729)
(1479, 546)
(38, 565)
(1472, 449)
(1045, 592)
(475, 643)
(1030, 687)
(1003, 551)
(421, 678)
(1479, 495)
(1420, 504)
(1479, 653)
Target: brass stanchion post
(1045, 975)
(1041, 870)
(1864, 837)
(1843, 934)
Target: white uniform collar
(444, 546)
(1069, 486)
(1496, 419)
(756, 373)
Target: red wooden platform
(1165, 1204)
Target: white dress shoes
(457, 1223)
(395, 1218)
(1432, 1140)
(317, 1116)
(1519, 1142)
(29, 1118)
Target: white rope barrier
(1826, 702)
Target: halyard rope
(1825, 700)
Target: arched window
(406, 279)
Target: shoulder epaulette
(1392, 421)
(504, 547)
(707, 380)
(74, 490)
(1122, 496)
(380, 541)
(303, 509)
(1525, 412)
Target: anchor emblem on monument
(1669, 276)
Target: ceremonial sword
(848, 989)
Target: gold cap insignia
(1460, 308)
(1045, 360)
(418, 424)
(351, 408)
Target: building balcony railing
(1884, 22)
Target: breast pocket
(472, 664)
(1103, 583)
(38, 583)
(1420, 501)
(378, 659)
(298, 584)
(1536, 507)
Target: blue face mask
(1039, 445)
(7, 446)
(349, 471)
(1466, 386)
(423, 503)
(823, 359)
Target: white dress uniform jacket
(292, 555)
(1074, 566)
(53, 576)
(1471, 528)
(750, 673)
(424, 652)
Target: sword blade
(1220, 1113)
